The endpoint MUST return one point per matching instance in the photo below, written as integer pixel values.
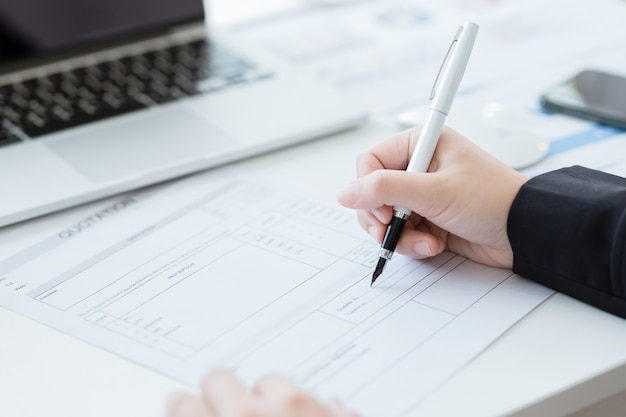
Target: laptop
(98, 98)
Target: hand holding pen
(442, 95)
(462, 205)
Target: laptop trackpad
(140, 144)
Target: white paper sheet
(190, 276)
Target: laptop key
(44, 105)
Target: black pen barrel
(392, 236)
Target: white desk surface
(563, 357)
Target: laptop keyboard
(39, 106)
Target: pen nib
(379, 270)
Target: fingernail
(379, 215)
(348, 194)
(423, 248)
(373, 231)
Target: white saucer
(506, 135)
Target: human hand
(223, 395)
(462, 204)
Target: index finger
(284, 397)
(224, 393)
(391, 153)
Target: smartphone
(593, 95)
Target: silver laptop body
(91, 107)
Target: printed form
(258, 278)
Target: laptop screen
(30, 28)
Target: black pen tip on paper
(374, 277)
(379, 270)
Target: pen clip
(444, 64)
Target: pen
(441, 97)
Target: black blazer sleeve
(567, 229)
